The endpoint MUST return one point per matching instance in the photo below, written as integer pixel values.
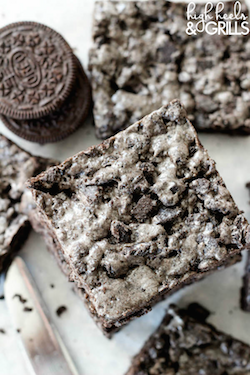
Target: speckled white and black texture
(186, 345)
(142, 58)
(140, 215)
(16, 166)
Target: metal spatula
(41, 341)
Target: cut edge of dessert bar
(139, 216)
(185, 342)
(39, 225)
(16, 165)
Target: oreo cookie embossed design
(36, 70)
(60, 123)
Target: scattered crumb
(61, 310)
(230, 312)
(52, 286)
(2, 297)
(21, 299)
(2, 331)
(18, 330)
(31, 340)
(27, 309)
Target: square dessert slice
(16, 166)
(140, 215)
(142, 58)
(185, 344)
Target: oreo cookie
(61, 123)
(44, 92)
(37, 70)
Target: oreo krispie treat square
(185, 344)
(140, 216)
(16, 166)
(142, 58)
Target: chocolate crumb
(21, 299)
(27, 309)
(61, 310)
(18, 330)
(52, 286)
(2, 297)
(2, 331)
(198, 312)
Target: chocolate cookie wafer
(37, 70)
(62, 122)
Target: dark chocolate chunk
(198, 312)
(143, 208)
(120, 231)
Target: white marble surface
(92, 353)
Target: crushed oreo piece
(21, 299)
(61, 310)
(27, 309)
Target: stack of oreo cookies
(44, 92)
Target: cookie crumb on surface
(61, 310)
(27, 309)
(21, 299)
